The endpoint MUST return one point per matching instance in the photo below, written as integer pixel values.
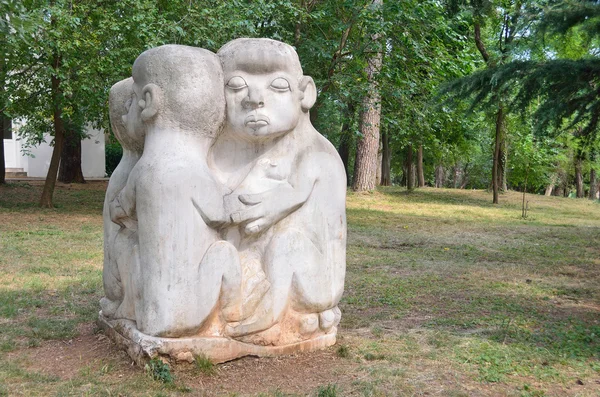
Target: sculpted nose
(254, 100)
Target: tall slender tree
(365, 164)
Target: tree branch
(479, 43)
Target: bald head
(185, 85)
(259, 56)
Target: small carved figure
(119, 241)
(288, 186)
(184, 271)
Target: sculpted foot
(329, 318)
(256, 323)
(109, 308)
(338, 316)
(309, 323)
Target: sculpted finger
(251, 199)
(255, 227)
(250, 214)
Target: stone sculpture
(225, 226)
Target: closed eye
(236, 83)
(280, 84)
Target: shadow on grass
(20, 197)
(439, 196)
(541, 327)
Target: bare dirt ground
(297, 374)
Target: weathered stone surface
(141, 347)
(225, 226)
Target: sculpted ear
(307, 86)
(150, 105)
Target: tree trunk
(420, 173)
(465, 176)
(439, 176)
(365, 164)
(344, 151)
(70, 159)
(59, 131)
(298, 27)
(579, 175)
(562, 184)
(593, 180)
(550, 186)
(379, 164)
(386, 160)
(497, 145)
(593, 184)
(559, 191)
(456, 171)
(410, 181)
(502, 163)
(4, 122)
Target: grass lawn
(445, 295)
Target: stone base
(140, 346)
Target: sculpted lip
(256, 120)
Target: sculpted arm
(210, 201)
(123, 206)
(265, 209)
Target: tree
(423, 49)
(81, 48)
(556, 74)
(68, 56)
(14, 27)
(507, 15)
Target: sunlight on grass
(444, 291)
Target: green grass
(445, 294)
(204, 365)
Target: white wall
(92, 156)
(93, 160)
(39, 161)
(12, 151)
(12, 154)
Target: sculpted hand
(260, 211)
(120, 217)
(117, 213)
(232, 205)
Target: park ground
(446, 295)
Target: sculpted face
(263, 95)
(133, 119)
(121, 98)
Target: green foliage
(564, 88)
(343, 351)
(159, 371)
(373, 356)
(557, 92)
(204, 365)
(113, 154)
(425, 44)
(331, 390)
